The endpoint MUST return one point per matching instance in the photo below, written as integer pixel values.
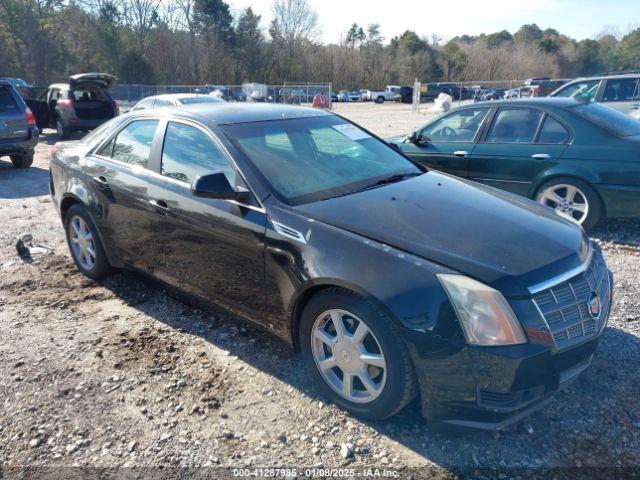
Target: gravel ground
(120, 373)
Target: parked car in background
(229, 94)
(80, 105)
(343, 96)
(174, 100)
(247, 206)
(379, 96)
(333, 96)
(406, 94)
(540, 87)
(431, 91)
(621, 92)
(16, 83)
(18, 130)
(580, 158)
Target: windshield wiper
(396, 177)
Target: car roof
(228, 113)
(174, 96)
(557, 102)
(607, 77)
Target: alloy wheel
(82, 242)
(348, 356)
(568, 200)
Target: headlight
(485, 315)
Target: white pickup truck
(379, 96)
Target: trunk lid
(102, 81)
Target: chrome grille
(565, 306)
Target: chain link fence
(291, 93)
(479, 91)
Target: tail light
(64, 102)
(54, 149)
(31, 118)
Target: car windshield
(612, 120)
(202, 99)
(312, 159)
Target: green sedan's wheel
(572, 199)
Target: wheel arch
(537, 185)
(315, 287)
(68, 200)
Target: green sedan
(582, 159)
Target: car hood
(503, 240)
(94, 80)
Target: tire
(100, 267)
(22, 161)
(62, 131)
(584, 195)
(380, 99)
(396, 381)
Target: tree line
(202, 42)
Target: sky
(577, 18)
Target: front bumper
(493, 387)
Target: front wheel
(356, 354)
(573, 199)
(85, 245)
(22, 161)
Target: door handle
(100, 182)
(541, 156)
(461, 153)
(160, 206)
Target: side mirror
(413, 137)
(215, 185)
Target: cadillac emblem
(594, 306)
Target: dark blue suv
(18, 131)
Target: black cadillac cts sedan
(392, 280)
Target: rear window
(7, 102)
(203, 99)
(87, 95)
(606, 117)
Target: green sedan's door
(447, 143)
(520, 143)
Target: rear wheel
(22, 161)
(380, 99)
(85, 245)
(62, 131)
(356, 354)
(573, 199)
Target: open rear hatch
(89, 95)
(102, 81)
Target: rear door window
(553, 132)
(514, 125)
(7, 102)
(188, 152)
(621, 90)
(132, 144)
